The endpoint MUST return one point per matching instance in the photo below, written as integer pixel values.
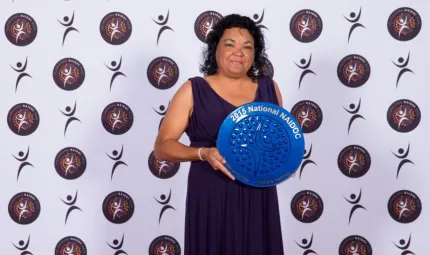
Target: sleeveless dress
(226, 217)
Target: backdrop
(85, 86)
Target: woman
(223, 216)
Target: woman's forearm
(174, 151)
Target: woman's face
(235, 52)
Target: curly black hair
(210, 66)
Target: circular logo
(205, 23)
(161, 168)
(355, 245)
(268, 68)
(118, 207)
(115, 28)
(353, 71)
(69, 74)
(306, 26)
(404, 24)
(163, 73)
(354, 161)
(20, 29)
(24, 208)
(403, 115)
(307, 206)
(23, 119)
(308, 114)
(71, 245)
(70, 163)
(404, 206)
(117, 118)
(164, 245)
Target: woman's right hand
(214, 158)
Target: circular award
(262, 143)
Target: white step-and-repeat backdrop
(85, 85)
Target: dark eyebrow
(234, 41)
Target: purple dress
(225, 217)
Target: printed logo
(22, 157)
(23, 119)
(71, 201)
(117, 118)
(163, 73)
(404, 246)
(114, 67)
(161, 168)
(204, 24)
(117, 246)
(307, 206)
(355, 244)
(117, 158)
(71, 245)
(69, 113)
(21, 70)
(115, 28)
(353, 110)
(164, 245)
(164, 201)
(68, 23)
(306, 160)
(402, 64)
(307, 245)
(403, 156)
(403, 115)
(267, 68)
(304, 65)
(23, 246)
(162, 23)
(354, 19)
(118, 207)
(308, 114)
(259, 20)
(306, 26)
(24, 208)
(404, 24)
(353, 71)
(68, 74)
(355, 201)
(70, 163)
(354, 161)
(404, 206)
(162, 110)
(20, 29)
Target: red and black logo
(306, 26)
(205, 23)
(404, 24)
(69, 74)
(354, 161)
(71, 245)
(23, 119)
(20, 29)
(24, 208)
(307, 206)
(268, 68)
(404, 206)
(115, 28)
(117, 118)
(164, 245)
(403, 115)
(118, 207)
(163, 73)
(355, 244)
(162, 169)
(308, 114)
(353, 71)
(70, 163)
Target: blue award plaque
(262, 143)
